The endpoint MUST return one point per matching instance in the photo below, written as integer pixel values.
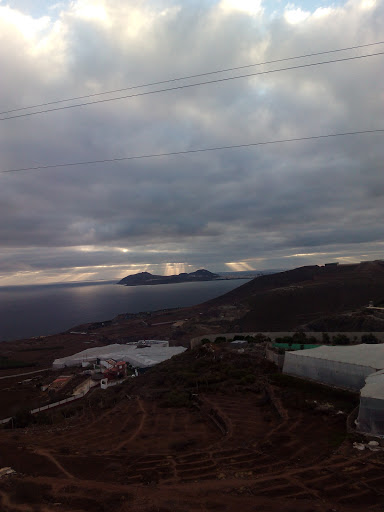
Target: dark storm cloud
(259, 207)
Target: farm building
(137, 355)
(341, 366)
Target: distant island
(145, 278)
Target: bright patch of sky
(276, 7)
(37, 8)
(52, 8)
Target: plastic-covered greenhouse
(371, 410)
(137, 357)
(341, 366)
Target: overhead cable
(188, 77)
(189, 151)
(226, 79)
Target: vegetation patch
(7, 364)
(207, 368)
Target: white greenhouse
(356, 367)
(340, 366)
(371, 410)
(137, 356)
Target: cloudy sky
(271, 206)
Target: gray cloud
(258, 207)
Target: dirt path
(138, 429)
(22, 374)
(48, 455)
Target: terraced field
(231, 450)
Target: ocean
(38, 310)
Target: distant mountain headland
(145, 278)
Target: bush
(369, 338)
(220, 339)
(340, 339)
(204, 341)
(299, 337)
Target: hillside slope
(287, 300)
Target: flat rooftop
(137, 357)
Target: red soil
(139, 456)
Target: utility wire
(146, 93)
(191, 76)
(200, 150)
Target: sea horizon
(44, 309)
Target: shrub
(299, 337)
(369, 338)
(220, 339)
(340, 339)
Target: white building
(356, 367)
(132, 354)
(340, 366)
(371, 410)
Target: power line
(200, 150)
(192, 76)
(146, 93)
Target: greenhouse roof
(374, 387)
(363, 354)
(138, 357)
